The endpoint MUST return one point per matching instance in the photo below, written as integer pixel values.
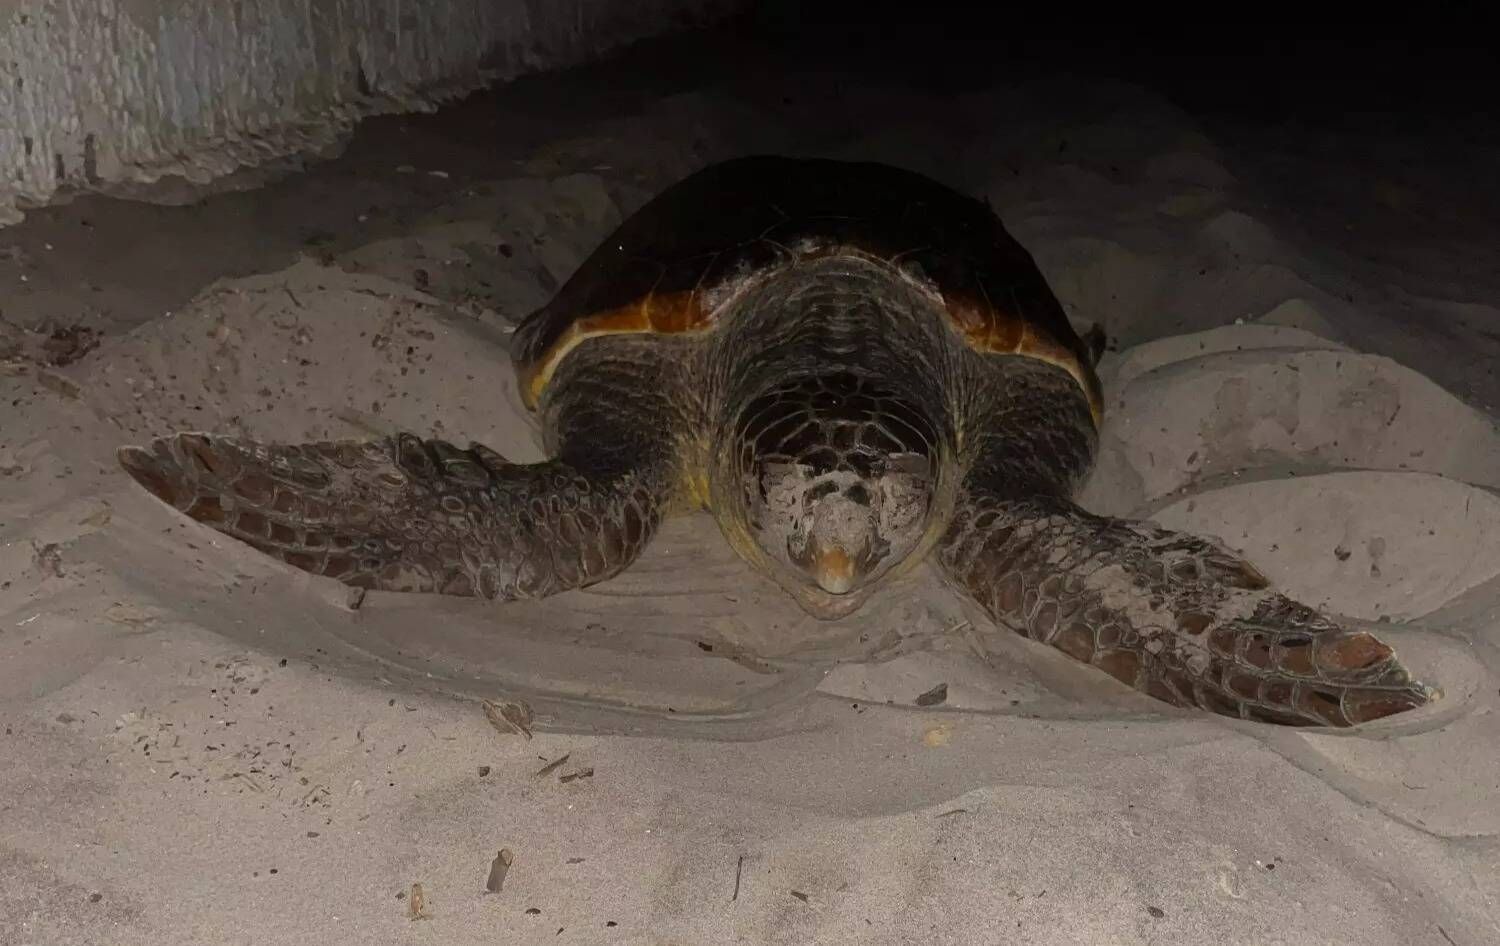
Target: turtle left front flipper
(1173, 615)
(407, 514)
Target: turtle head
(838, 483)
(840, 529)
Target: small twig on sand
(739, 868)
(416, 905)
(552, 766)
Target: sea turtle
(856, 369)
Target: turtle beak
(832, 568)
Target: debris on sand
(513, 718)
(416, 904)
(935, 696)
(552, 766)
(56, 348)
(66, 345)
(47, 558)
(499, 867)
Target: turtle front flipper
(404, 514)
(1176, 616)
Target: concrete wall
(102, 92)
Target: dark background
(1253, 59)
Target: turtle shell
(670, 267)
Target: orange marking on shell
(987, 330)
(676, 313)
(670, 314)
(1007, 334)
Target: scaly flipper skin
(1173, 615)
(404, 514)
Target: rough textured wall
(100, 92)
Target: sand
(202, 746)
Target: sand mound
(1260, 411)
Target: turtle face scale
(838, 480)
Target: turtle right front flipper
(1174, 615)
(404, 514)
